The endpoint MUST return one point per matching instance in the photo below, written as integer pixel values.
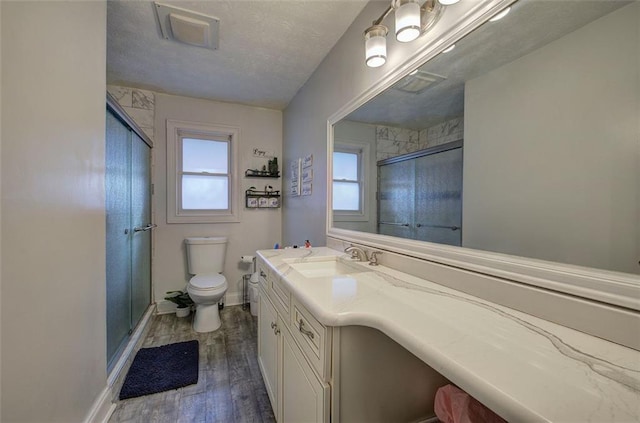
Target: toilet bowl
(206, 288)
(206, 291)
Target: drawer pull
(303, 330)
(264, 275)
(275, 328)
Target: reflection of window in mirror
(353, 194)
(347, 181)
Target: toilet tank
(206, 254)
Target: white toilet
(205, 256)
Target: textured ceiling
(267, 49)
(530, 25)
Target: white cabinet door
(268, 339)
(304, 397)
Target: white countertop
(522, 367)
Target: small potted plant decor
(182, 300)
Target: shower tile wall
(392, 141)
(449, 131)
(139, 105)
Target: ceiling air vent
(418, 81)
(188, 27)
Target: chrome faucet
(373, 260)
(357, 253)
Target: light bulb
(448, 49)
(407, 21)
(500, 15)
(375, 45)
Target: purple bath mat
(161, 369)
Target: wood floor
(230, 387)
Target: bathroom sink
(317, 267)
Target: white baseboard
(167, 307)
(233, 298)
(102, 408)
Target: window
(201, 173)
(349, 187)
(205, 174)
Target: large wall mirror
(522, 140)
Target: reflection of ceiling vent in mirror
(418, 81)
(188, 27)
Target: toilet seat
(208, 282)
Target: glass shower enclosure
(128, 235)
(420, 195)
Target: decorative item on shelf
(269, 198)
(273, 166)
(182, 300)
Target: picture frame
(307, 161)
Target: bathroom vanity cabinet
(296, 390)
(318, 373)
(344, 341)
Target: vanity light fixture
(500, 15)
(411, 21)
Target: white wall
(53, 219)
(340, 78)
(559, 128)
(258, 229)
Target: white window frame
(176, 131)
(362, 150)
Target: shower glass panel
(438, 212)
(128, 251)
(141, 218)
(118, 245)
(396, 191)
(420, 195)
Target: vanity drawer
(263, 274)
(281, 296)
(313, 338)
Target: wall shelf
(254, 173)
(262, 199)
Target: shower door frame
(136, 135)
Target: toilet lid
(208, 280)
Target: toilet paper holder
(245, 279)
